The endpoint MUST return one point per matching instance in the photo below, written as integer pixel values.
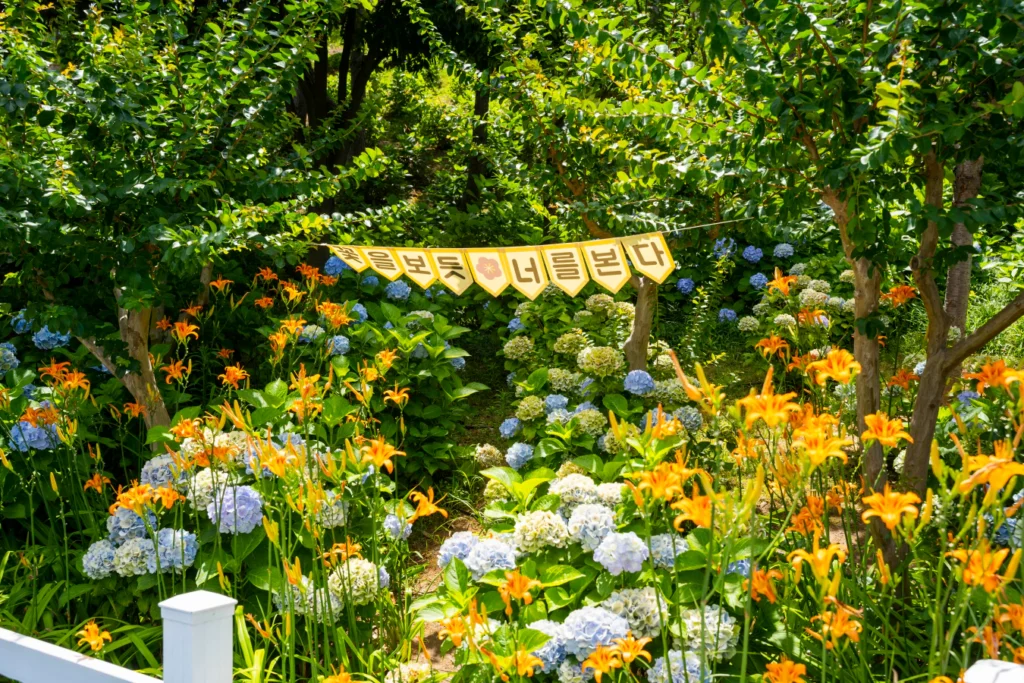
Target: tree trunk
(966, 185)
(640, 337)
(476, 166)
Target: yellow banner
(650, 255)
(351, 256)
(607, 264)
(526, 269)
(383, 261)
(452, 270)
(417, 266)
(565, 267)
(489, 269)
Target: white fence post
(197, 637)
(993, 671)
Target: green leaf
(559, 574)
(276, 392)
(456, 576)
(617, 404)
(506, 476)
(548, 447)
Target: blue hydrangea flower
(758, 280)
(919, 368)
(665, 548)
(638, 383)
(458, 363)
(420, 352)
(98, 561)
(159, 471)
(124, 524)
(752, 254)
(310, 333)
(488, 555)
(741, 567)
(586, 405)
(685, 285)
(20, 324)
(335, 266)
(359, 311)
(965, 397)
(555, 402)
(176, 550)
(620, 553)
(396, 527)
(585, 386)
(25, 437)
(684, 667)
(510, 379)
(8, 358)
(510, 427)
(29, 390)
(724, 247)
(457, 545)
(515, 324)
(589, 524)
(238, 512)
(338, 345)
(558, 416)
(47, 341)
(518, 455)
(397, 291)
(588, 627)
(371, 281)
(552, 652)
(389, 325)
(690, 417)
(383, 578)
(783, 250)
(135, 557)
(726, 315)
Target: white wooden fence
(197, 649)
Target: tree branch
(977, 340)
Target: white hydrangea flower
(206, 485)
(712, 631)
(540, 529)
(355, 580)
(590, 523)
(610, 494)
(574, 490)
(639, 606)
(591, 422)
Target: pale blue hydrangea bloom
(135, 557)
(726, 315)
(397, 527)
(98, 561)
(29, 390)
(966, 397)
(458, 545)
(554, 402)
(176, 550)
(685, 667)
(359, 311)
(20, 324)
(338, 345)
(690, 417)
(47, 341)
(685, 285)
(25, 437)
(783, 250)
(586, 405)
(8, 358)
(919, 368)
(585, 386)
(798, 269)
(397, 291)
(333, 512)
(712, 632)
(159, 471)
(588, 627)
(371, 281)
(559, 416)
(589, 524)
(638, 383)
(515, 325)
(752, 254)
(510, 427)
(488, 555)
(571, 671)
(552, 652)
(724, 247)
(758, 280)
(665, 548)
(239, 511)
(335, 266)
(539, 529)
(510, 379)
(125, 525)
(741, 567)
(420, 352)
(310, 333)
(620, 553)
(383, 578)
(518, 455)
(459, 363)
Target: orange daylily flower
(890, 506)
(838, 624)
(800, 363)
(168, 496)
(225, 353)
(379, 452)
(838, 365)
(453, 628)
(386, 357)
(182, 331)
(631, 649)
(177, 371)
(772, 345)
(807, 316)
(784, 671)
(293, 572)
(995, 471)
(292, 292)
(902, 379)
(342, 551)
(192, 310)
(293, 325)
(92, 636)
(397, 396)
(97, 482)
(819, 559)
(818, 445)
(885, 431)
(233, 374)
(425, 505)
(517, 586)
(781, 283)
(73, 379)
(54, 370)
(266, 274)
(899, 295)
(135, 409)
(221, 283)
(264, 302)
(163, 324)
(602, 661)
(136, 498)
(981, 565)
(697, 509)
(762, 584)
(995, 375)
(773, 408)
